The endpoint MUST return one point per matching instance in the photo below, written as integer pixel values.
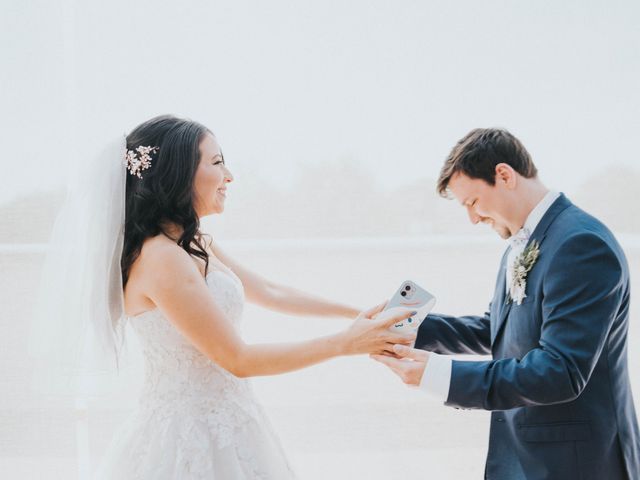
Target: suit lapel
(539, 234)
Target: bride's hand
(370, 333)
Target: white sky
(284, 84)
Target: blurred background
(335, 118)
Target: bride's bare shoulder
(157, 242)
(158, 252)
(160, 264)
(157, 249)
(158, 245)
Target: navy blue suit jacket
(558, 385)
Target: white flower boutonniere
(519, 270)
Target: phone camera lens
(407, 288)
(404, 294)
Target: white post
(71, 94)
(82, 438)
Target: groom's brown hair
(479, 151)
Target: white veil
(77, 331)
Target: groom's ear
(506, 176)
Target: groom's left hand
(408, 364)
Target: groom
(558, 383)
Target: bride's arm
(174, 283)
(282, 298)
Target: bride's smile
(211, 179)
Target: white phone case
(413, 296)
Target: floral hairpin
(136, 162)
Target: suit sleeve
(448, 335)
(582, 292)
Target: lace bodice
(178, 377)
(166, 349)
(195, 420)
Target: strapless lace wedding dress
(194, 420)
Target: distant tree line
(341, 200)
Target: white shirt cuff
(437, 377)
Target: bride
(197, 417)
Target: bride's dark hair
(165, 191)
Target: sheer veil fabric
(77, 330)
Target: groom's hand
(408, 364)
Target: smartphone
(413, 296)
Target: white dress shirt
(436, 378)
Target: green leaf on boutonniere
(520, 269)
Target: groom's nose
(473, 217)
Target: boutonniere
(520, 269)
